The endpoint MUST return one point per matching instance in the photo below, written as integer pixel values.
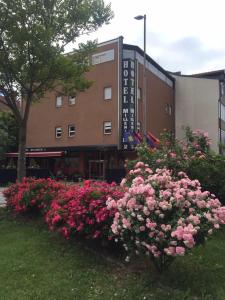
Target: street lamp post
(143, 17)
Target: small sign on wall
(103, 57)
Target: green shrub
(192, 156)
(211, 173)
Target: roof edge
(154, 63)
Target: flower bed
(32, 194)
(151, 213)
(82, 210)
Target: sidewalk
(2, 198)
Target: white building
(197, 106)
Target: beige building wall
(196, 105)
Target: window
(58, 101)
(58, 132)
(222, 141)
(168, 109)
(222, 112)
(222, 88)
(222, 134)
(71, 130)
(107, 93)
(72, 100)
(107, 127)
(139, 94)
(138, 126)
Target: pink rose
(180, 250)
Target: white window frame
(139, 91)
(222, 88)
(72, 100)
(168, 109)
(107, 127)
(58, 103)
(222, 111)
(71, 133)
(58, 132)
(108, 93)
(138, 126)
(222, 134)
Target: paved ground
(2, 199)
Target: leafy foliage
(211, 173)
(8, 132)
(33, 37)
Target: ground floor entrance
(72, 164)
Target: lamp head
(139, 17)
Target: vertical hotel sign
(128, 103)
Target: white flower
(127, 259)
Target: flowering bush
(82, 210)
(32, 194)
(174, 154)
(163, 216)
(192, 156)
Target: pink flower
(148, 170)
(221, 214)
(126, 223)
(150, 224)
(114, 228)
(194, 219)
(178, 233)
(201, 204)
(131, 203)
(180, 250)
(139, 165)
(172, 154)
(151, 202)
(123, 182)
(111, 203)
(56, 219)
(170, 251)
(146, 211)
(142, 228)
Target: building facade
(85, 134)
(218, 75)
(197, 102)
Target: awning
(38, 154)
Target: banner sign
(128, 102)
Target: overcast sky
(182, 35)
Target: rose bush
(163, 216)
(174, 154)
(192, 155)
(32, 194)
(82, 210)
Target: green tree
(33, 36)
(8, 133)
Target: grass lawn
(37, 264)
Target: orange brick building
(83, 136)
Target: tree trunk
(21, 164)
